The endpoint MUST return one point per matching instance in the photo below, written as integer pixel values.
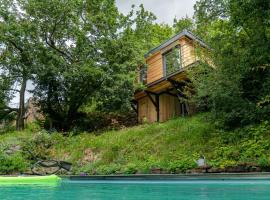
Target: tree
(87, 54)
(139, 34)
(184, 23)
(71, 67)
(6, 112)
(76, 51)
(17, 39)
(237, 34)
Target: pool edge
(212, 176)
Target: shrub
(38, 146)
(11, 164)
(176, 166)
(108, 169)
(264, 162)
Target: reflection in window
(172, 60)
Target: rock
(13, 149)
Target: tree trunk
(21, 110)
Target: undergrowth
(171, 147)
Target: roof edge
(185, 32)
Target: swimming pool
(140, 190)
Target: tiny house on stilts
(165, 79)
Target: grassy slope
(172, 146)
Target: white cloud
(165, 10)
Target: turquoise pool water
(140, 190)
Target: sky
(165, 11)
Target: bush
(38, 146)
(186, 163)
(11, 164)
(108, 169)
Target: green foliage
(247, 145)
(108, 169)
(142, 149)
(184, 23)
(125, 54)
(18, 48)
(11, 163)
(171, 147)
(38, 146)
(237, 32)
(75, 54)
(99, 122)
(6, 113)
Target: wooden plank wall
(154, 68)
(169, 107)
(147, 111)
(187, 52)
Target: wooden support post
(183, 109)
(135, 106)
(154, 101)
(151, 98)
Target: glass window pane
(172, 60)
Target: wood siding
(169, 107)
(154, 68)
(187, 52)
(147, 111)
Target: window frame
(164, 60)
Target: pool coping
(175, 177)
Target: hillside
(171, 147)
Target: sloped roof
(185, 32)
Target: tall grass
(170, 147)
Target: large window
(172, 60)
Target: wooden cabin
(165, 79)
